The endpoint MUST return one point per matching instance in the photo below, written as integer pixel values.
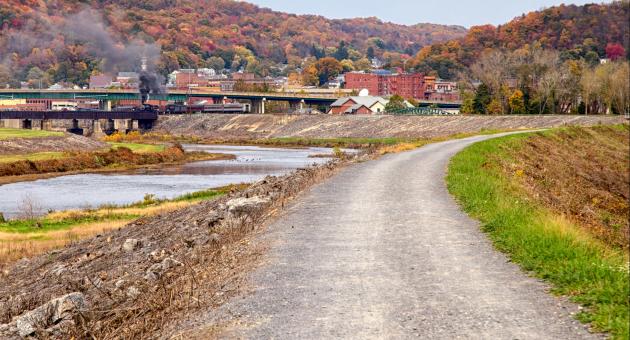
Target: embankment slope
(233, 127)
(65, 142)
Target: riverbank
(32, 235)
(119, 158)
(155, 270)
(15, 142)
(557, 203)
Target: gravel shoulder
(382, 250)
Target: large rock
(53, 312)
(244, 206)
(131, 244)
(157, 270)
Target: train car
(180, 108)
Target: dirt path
(382, 251)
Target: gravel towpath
(382, 250)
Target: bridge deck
(93, 115)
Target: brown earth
(235, 127)
(582, 173)
(138, 278)
(68, 142)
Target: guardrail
(420, 111)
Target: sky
(449, 12)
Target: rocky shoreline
(128, 283)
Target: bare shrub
(29, 208)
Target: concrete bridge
(257, 99)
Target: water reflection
(92, 190)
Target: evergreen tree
(483, 97)
(342, 51)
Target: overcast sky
(450, 12)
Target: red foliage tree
(615, 51)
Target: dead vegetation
(582, 173)
(137, 279)
(114, 158)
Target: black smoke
(149, 84)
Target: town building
(100, 81)
(384, 83)
(128, 80)
(440, 90)
(406, 85)
(358, 105)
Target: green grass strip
(138, 147)
(576, 265)
(45, 225)
(8, 133)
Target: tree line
(533, 80)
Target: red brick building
(407, 85)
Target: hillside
(54, 35)
(589, 31)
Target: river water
(92, 190)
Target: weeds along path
(383, 251)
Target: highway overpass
(295, 100)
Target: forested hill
(576, 31)
(188, 32)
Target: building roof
(128, 75)
(368, 101)
(100, 80)
(356, 107)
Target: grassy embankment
(557, 203)
(121, 155)
(30, 236)
(8, 133)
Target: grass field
(36, 156)
(7, 133)
(138, 147)
(547, 244)
(27, 237)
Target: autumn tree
(395, 103)
(517, 104)
(327, 69)
(347, 65)
(5, 76)
(216, 63)
(310, 75)
(615, 51)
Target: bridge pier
(105, 105)
(296, 105)
(45, 124)
(97, 131)
(123, 125)
(12, 123)
(258, 106)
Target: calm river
(92, 190)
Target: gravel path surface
(383, 251)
